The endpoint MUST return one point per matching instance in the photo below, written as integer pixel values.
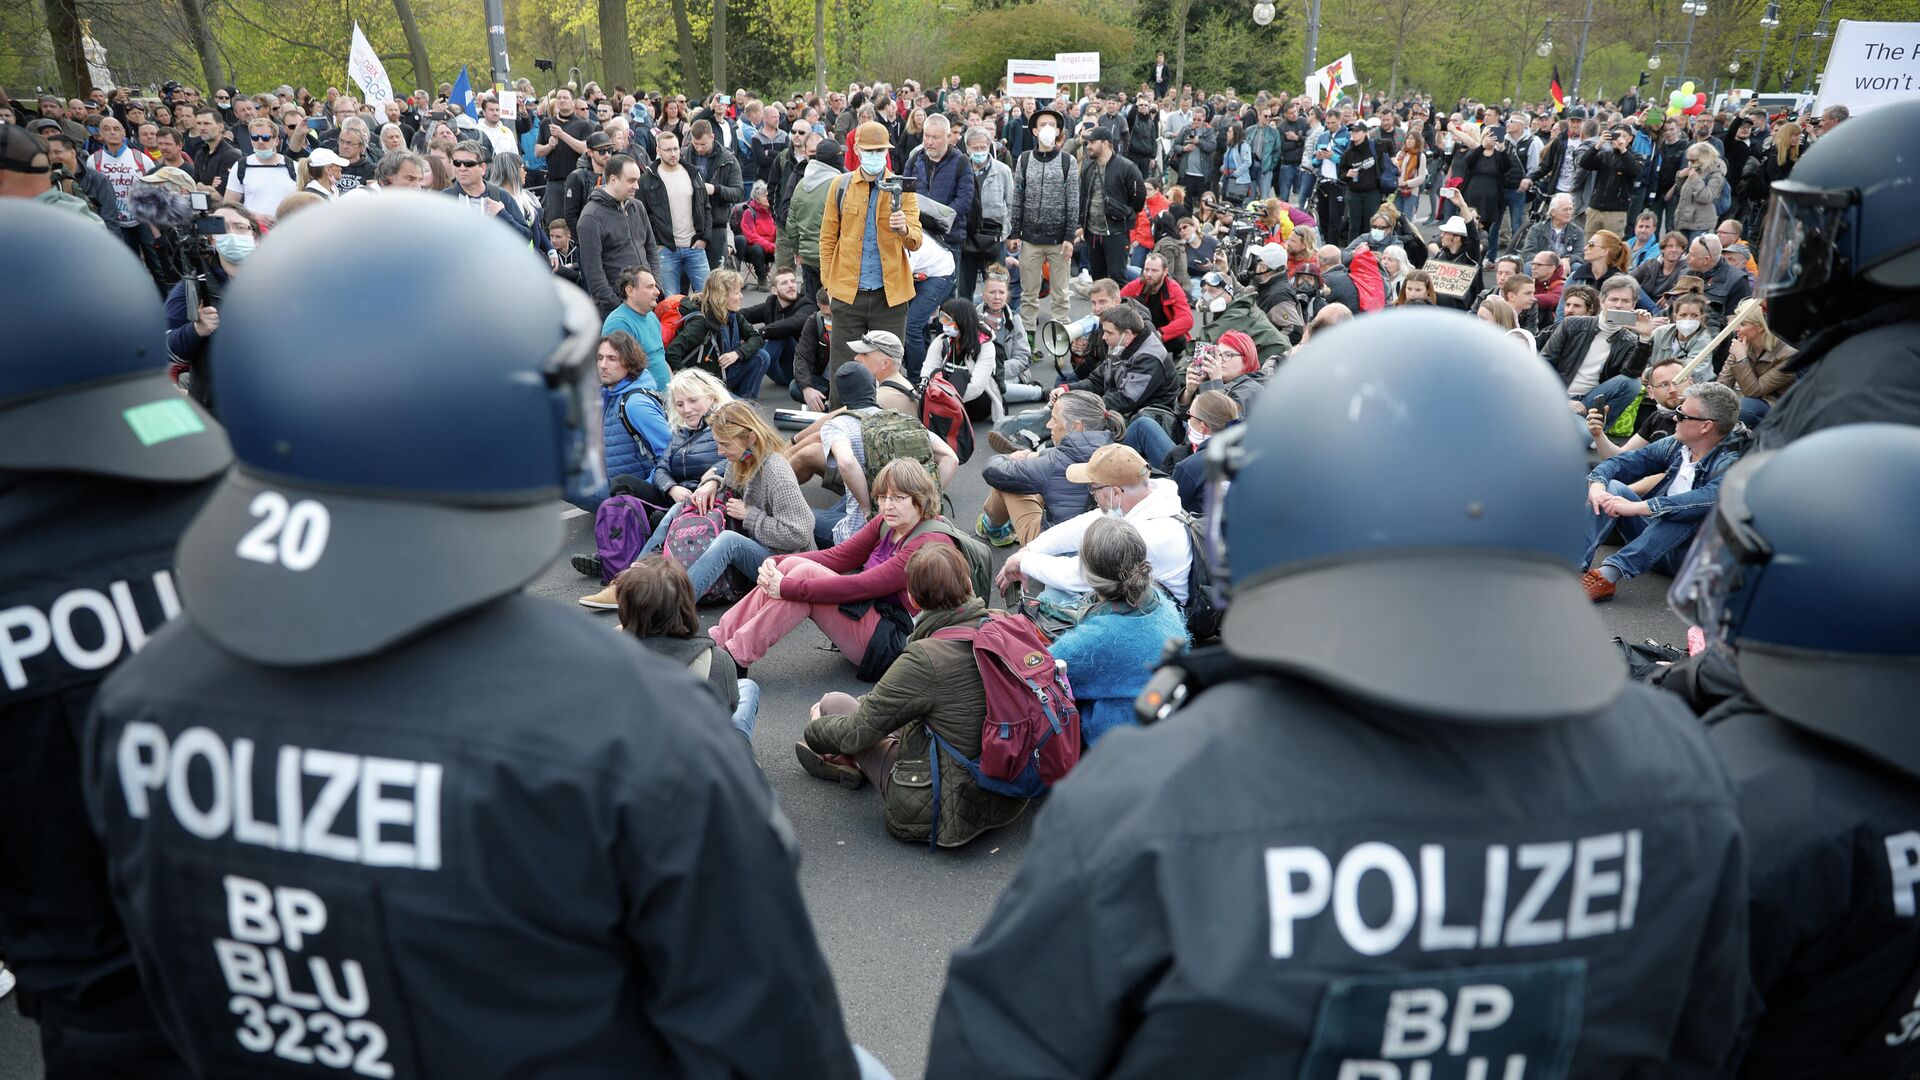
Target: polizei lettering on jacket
(87, 629)
(374, 811)
(1534, 894)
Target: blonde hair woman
(1756, 363)
(717, 339)
(763, 501)
(1696, 190)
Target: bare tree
(200, 34)
(689, 74)
(718, 33)
(63, 25)
(616, 49)
(416, 44)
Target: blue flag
(463, 95)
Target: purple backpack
(689, 537)
(620, 530)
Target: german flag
(1559, 96)
(1030, 80)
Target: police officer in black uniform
(369, 809)
(1840, 271)
(1805, 577)
(1419, 824)
(102, 463)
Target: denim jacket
(1668, 454)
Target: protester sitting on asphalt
(691, 396)
(1212, 413)
(1028, 490)
(1232, 309)
(969, 358)
(1122, 631)
(1656, 530)
(639, 294)
(1601, 363)
(882, 736)
(782, 318)
(1136, 373)
(656, 602)
(855, 592)
(716, 338)
(1009, 334)
(1654, 420)
(1756, 366)
(633, 423)
(1121, 486)
(1685, 336)
(811, 351)
(880, 353)
(1230, 366)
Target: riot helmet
(1399, 518)
(83, 386)
(1805, 573)
(409, 466)
(1842, 234)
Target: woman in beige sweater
(763, 500)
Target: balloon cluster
(1684, 102)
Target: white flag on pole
(1338, 73)
(367, 72)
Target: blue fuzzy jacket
(1110, 656)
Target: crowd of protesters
(1211, 233)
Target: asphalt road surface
(887, 913)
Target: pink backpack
(689, 537)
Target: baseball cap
(1113, 465)
(879, 341)
(1273, 256)
(18, 148)
(599, 140)
(872, 135)
(1098, 133)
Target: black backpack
(1203, 609)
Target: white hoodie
(1053, 559)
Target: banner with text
(367, 72)
(1871, 64)
(1031, 78)
(1076, 67)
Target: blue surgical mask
(978, 157)
(265, 152)
(873, 161)
(1116, 512)
(233, 247)
(1377, 234)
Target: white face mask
(1047, 135)
(1687, 327)
(873, 162)
(1377, 234)
(1218, 304)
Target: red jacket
(1143, 224)
(757, 222)
(1172, 303)
(1546, 294)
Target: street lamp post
(1313, 36)
(1768, 22)
(1580, 57)
(1693, 9)
(1821, 29)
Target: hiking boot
(1000, 535)
(588, 565)
(1597, 586)
(838, 768)
(1003, 443)
(604, 600)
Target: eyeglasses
(468, 164)
(1668, 385)
(261, 138)
(1687, 416)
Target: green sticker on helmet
(158, 421)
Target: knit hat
(855, 385)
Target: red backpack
(1030, 738)
(669, 314)
(943, 412)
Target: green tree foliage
(985, 40)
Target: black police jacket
(516, 845)
(1864, 371)
(1833, 836)
(1275, 882)
(85, 579)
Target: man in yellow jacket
(865, 234)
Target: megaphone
(1057, 338)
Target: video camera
(897, 185)
(184, 250)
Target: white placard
(1871, 64)
(1076, 67)
(509, 100)
(1031, 78)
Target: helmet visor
(1804, 232)
(1709, 588)
(1224, 458)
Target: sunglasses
(1687, 416)
(465, 164)
(261, 138)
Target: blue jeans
(743, 379)
(1150, 439)
(730, 549)
(794, 389)
(686, 270)
(749, 709)
(1648, 543)
(659, 538)
(1516, 218)
(1614, 395)
(1408, 205)
(1294, 182)
(824, 519)
(1752, 410)
(928, 295)
(780, 360)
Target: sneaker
(604, 600)
(1598, 588)
(998, 535)
(6, 981)
(589, 565)
(1003, 443)
(838, 768)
